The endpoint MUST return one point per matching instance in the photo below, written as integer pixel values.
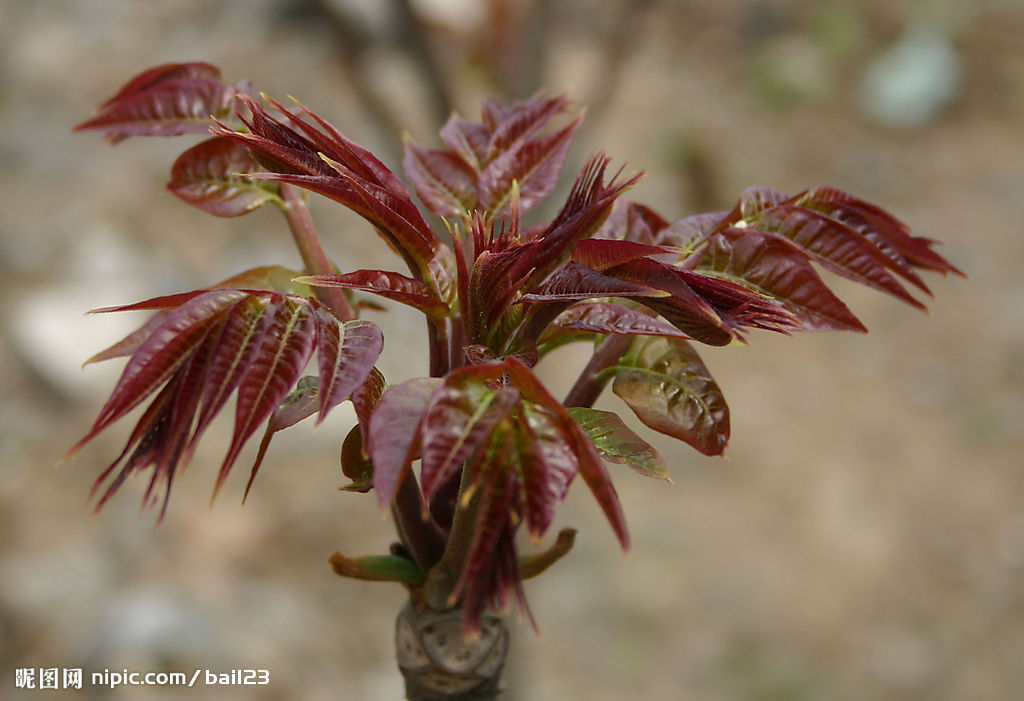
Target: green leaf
(378, 568)
(666, 384)
(616, 442)
(273, 278)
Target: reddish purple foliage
(496, 449)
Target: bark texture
(438, 664)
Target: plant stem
(420, 535)
(443, 576)
(592, 380)
(313, 257)
(438, 346)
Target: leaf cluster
(495, 450)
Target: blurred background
(865, 537)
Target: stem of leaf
(420, 535)
(438, 344)
(313, 257)
(593, 379)
(442, 578)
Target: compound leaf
(666, 384)
(211, 176)
(170, 103)
(616, 442)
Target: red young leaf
(631, 221)
(529, 451)
(415, 247)
(228, 362)
(275, 147)
(608, 317)
(346, 352)
(162, 303)
(298, 405)
(394, 434)
(579, 447)
(572, 281)
(339, 148)
(156, 359)
(585, 209)
(460, 417)
(739, 306)
(710, 310)
(680, 304)
(366, 396)
(144, 447)
(387, 284)
(883, 229)
(210, 176)
(282, 350)
(755, 200)
(493, 283)
(164, 74)
(272, 278)
(394, 213)
(443, 180)
(687, 233)
(318, 157)
(174, 426)
(549, 465)
(212, 343)
(468, 140)
(835, 246)
(774, 266)
(601, 254)
(532, 164)
(477, 579)
(127, 345)
(166, 108)
(511, 125)
(666, 384)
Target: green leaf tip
(378, 568)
